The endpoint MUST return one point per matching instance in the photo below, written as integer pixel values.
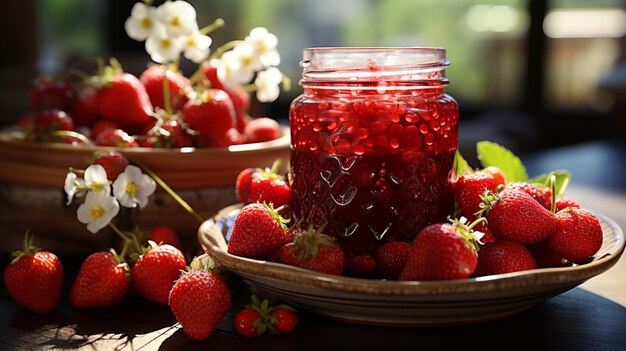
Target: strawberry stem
(553, 190)
(166, 93)
(28, 249)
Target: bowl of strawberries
(512, 242)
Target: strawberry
(242, 185)
(515, 215)
(210, 113)
(311, 249)
(391, 258)
(101, 126)
(487, 237)
(497, 174)
(269, 187)
(239, 96)
(152, 79)
(114, 163)
(545, 256)
(102, 281)
(199, 300)
(115, 138)
(259, 317)
(155, 272)
(257, 232)
(169, 134)
(231, 137)
(261, 129)
(165, 235)
(122, 98)
(469, 188)
(543, 195)
(441, 251)
(50, 94)
(86, 108)
(361, 265)
(43, 126)
(578, 235)
(503, 256)
(34, 278)
(563, 202)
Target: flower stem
(166, 94)
(169, 190)
(218, 23)
(118, 231)
(222, 49)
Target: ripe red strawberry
(169, 134)
(242, 185)
(261, 129)
(34, 278)
(469, 188)
(361, 265)
(257, 232)
(86, 108)
(155, 272)
(115, 138)
(497, 174)
(315, 251)
(165, 235)
(231, 137)
(286, 319)
(199, 300)
(545, 256)
(543, 195)
(391, 258)
(101, 126)
(564, 202)
(578, 235)
(123, 99)
(50, 94)
(210, 113)
(441, 251)
(259, 317)
(114, 163)
(152, 79)
(43, 126)
(487, 237)
(102, 281)
(245, 321)
(503, 256)
(515, 215)
(269, 187)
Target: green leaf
(492, 154)
(459, 164)
(562, 180)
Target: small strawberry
(311, 249)
(101, 126)
(361, 265)
(34, 278)
(503, 256)
(515, 215)
(442, 251)
(51, 94)
(259, 317)
(257, 232)
(115, 138)
(199, 300)
(391, 258)
(165, 235)
(470, 187)
(210, 113)
(543, 195)
(261, 129)
(169, 134)
(231, 137)
(269, 187)
(86, 108)
(152, 79)
(578, 235)
(242, 185)
(239, 96)
(114, 163)
(43, 126)
(155, 272)
(497, 174)
(563, 202)
(545, 256)
(102, 281)
(122, 98)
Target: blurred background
(528, 74)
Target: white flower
(74, 186)
(238, 65)
(264, 44)
(161, 47)
(267, 84)
(96, 179)
(133, 188)
(97, 210)
(197, 47)
(141, 21)
(178, 18)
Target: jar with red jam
(373, 139)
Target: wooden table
(590, 317)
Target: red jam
(372, 150)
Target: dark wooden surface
(591, 317)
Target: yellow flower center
(131, 189)
(175, 21)
(146, 23)
(166, 43)
(191, 42)
(97, 186)
(96, 212)
(246, 61)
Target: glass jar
(373, 138)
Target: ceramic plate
(407, 303)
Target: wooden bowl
(32, 177)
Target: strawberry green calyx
(203, 262)
(467, 231)
(489, 199)
(106, 73)
(307, 244)
(28, 249)
(269, 173)
(274, 213)
(122, 261)
(265, 321)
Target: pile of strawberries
(499, 227)
(161, 108)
